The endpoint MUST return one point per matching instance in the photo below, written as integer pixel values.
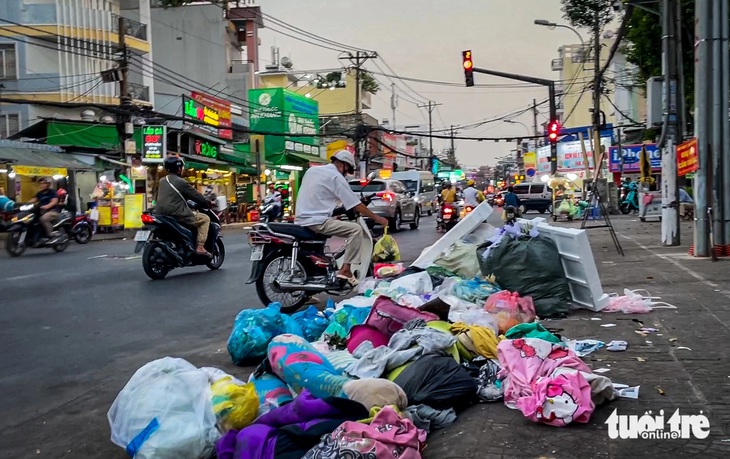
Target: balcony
(134, 28)
(557, 64)
(140, 93)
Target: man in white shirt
(323, 189)
(472, 196)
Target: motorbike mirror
(371, 176)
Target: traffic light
(553, 131)
(468, 68)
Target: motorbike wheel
(60, 247)
(218, 257)
(417, 220)
(153, 265)
(625, 208)
(396, 222)
(268, 293)
(83, 234)
(13, 245)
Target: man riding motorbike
(172, 197)
(275, 196)
(448, 194)
(511, 200)
(472, 196)
(323, 189)
(47, 200)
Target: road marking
(27, 276)
(689, 271)
(98, 256)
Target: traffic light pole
(551, 99)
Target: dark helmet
(446, 184)
(173, 164)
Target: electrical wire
(621, 112)
(87, 91)
(295, 29)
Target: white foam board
(466, 226)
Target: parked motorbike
(82, 229)
(290, 263)
(447, 217)
(25, 230)
(169, 244)
(629, 199)
(270, 210)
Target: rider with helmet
(323, 189)
(472, 196)
(172, 197)
(448, 194)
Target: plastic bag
(383, 270)
(235, 406)
(416, 284)
(344, 319)
(635, 302)
(357, 301)
(165, 411)
(271, 391)
(474, 290)
(460, 259)
(253, 329)
(386, 249)
(510, 309)
(312, 323)
(475, 317)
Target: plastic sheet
(165, 412)
(460, 259)
(417, 284)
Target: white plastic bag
(416, 284)
(475, 317)
(165, 411)
(357, 302)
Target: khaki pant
(202, 222)
(353, 232)
(684, 208)
(47, 221)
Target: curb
(127, 234)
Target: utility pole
(431, 107)
(534, 121)
(668, 139)
(597, 80)
(393, 103)
(358, 60)
(702, 128)
(719, 181)
(124, 120)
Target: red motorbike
(82, 229)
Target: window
(369, 188)
(522, 189)
(9, 125)
(412, 185)
(8, 69)
(428, 186)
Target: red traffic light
(553, 131)
(468, 68)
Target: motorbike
(169, 244)
(290, 262)
(82, 229)
(629, 200)
(26, 230)
(270, 210)
(447, 217)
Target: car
(535, 196)
(422, 184)
(392, 200)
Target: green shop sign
(203, 148)
(294, 117)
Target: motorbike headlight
(26, 207)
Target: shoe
(350, 280)
(204, 253)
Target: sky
(424, 39)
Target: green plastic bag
(386, 249)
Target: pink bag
(362, 333)
(510, 309)
(558, 401)
(389, 317)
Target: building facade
(53, 51)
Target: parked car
(422, 184)
(535, 196)
(392, 200)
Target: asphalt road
(77, 325)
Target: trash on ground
(608, 325)
(617, 346)
(683, 348)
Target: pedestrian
(686, 203)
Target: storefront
(289, 128)
(629, 167)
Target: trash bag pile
(412, 350)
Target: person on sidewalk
(172, 196)
(47, 200)
(323, 189)
(686, 204)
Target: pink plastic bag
(635, 302)
(389, 317)
(558, 401)
(510, 309)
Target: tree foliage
(369, 83)
(583, 13)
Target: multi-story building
(576, 65)
(55, 51)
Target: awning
(29, 161)
(294, 158)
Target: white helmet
(346, 157)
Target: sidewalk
(670, 375)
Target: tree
(583, 13)
(369, 83)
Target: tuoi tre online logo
(649, 426)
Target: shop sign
(631, 158)
(154, 144)
(687, 160)
(34, 171)
(530, 160)
(204, 148)
(221, 108)
(302, 118)
(570, 156)
(133, 208)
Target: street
(77, 325)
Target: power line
(296, 29)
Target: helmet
(174, 164)
(446, 184)
(346, 157)
(470, 183)
(61, 192)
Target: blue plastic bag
(474, 290)
(253, 330)
(312, 323)
(343, 320)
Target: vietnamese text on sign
(687, 157)
(154, 141)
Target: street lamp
(518, 122)
(553, 25)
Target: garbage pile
(411, 351)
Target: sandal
(350, 280)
